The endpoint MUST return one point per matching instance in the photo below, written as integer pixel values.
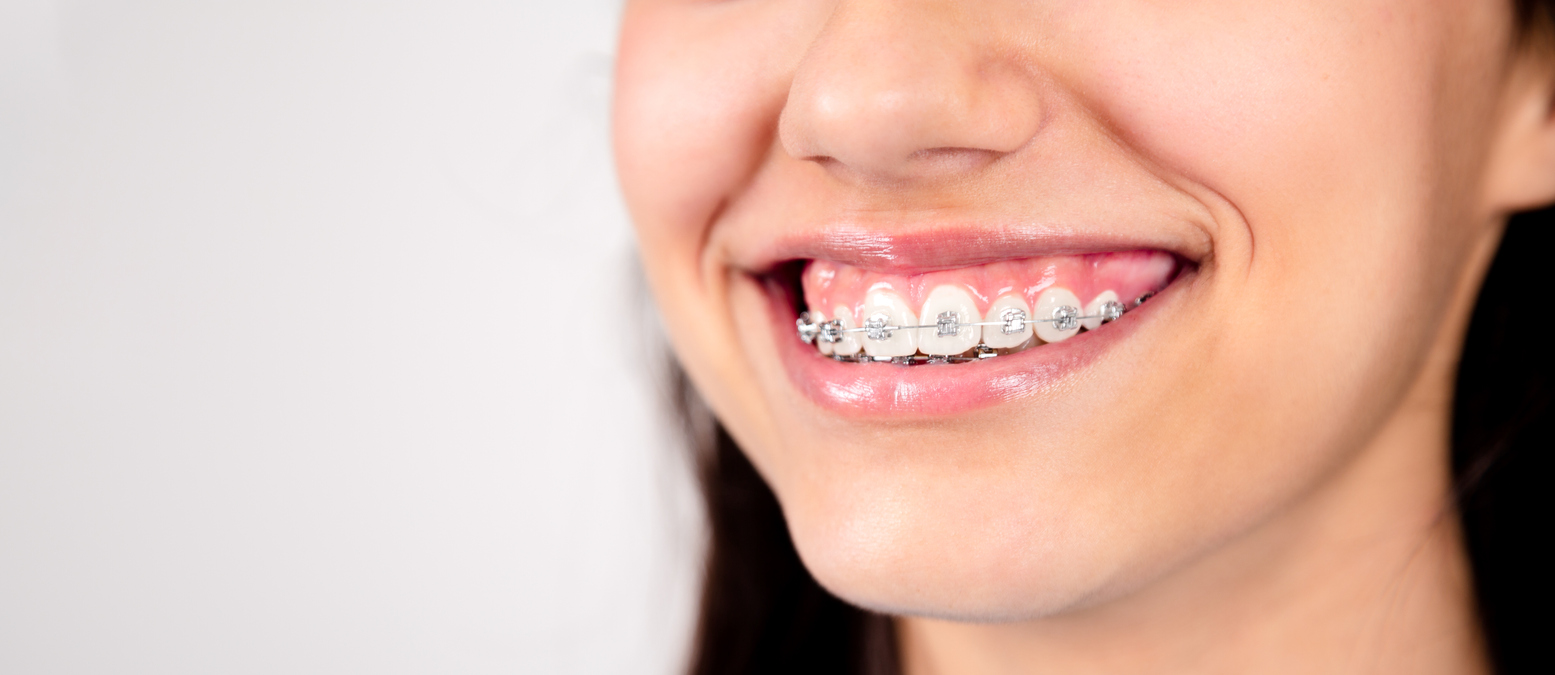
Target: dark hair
(1502, 435)
(762, 612)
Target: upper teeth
(1013, 320)
(956, 326)
(888, 324)
(1064, 308)
(892, 331)
(1100, 309)
(847, 343)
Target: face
(1299, 187)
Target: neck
(1366, 574)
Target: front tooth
(821, 343)
(849, 344)
(889, 307)
(994, 336)
(1048, 304)
(949, 309)
(1094, 309)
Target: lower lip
(884, 389)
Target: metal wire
(1068, 317)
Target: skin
(1255, 479)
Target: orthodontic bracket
(1011, 321)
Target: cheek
(699, 87)
(1333, 132)
(1312, 113)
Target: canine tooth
(830, 332)
(807, 326)
(949, 309)
(1050, 305)
(995, 336)
(849, 344)
(884, 309)
(821, 342)
(1094, 309)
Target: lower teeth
(1064, 317)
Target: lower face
(1282, 196)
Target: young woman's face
(1306, 186)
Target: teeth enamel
(995, 336)
(807, 327)
(884, 309)
(1054, 303)
(821, 342)
(1094, 309)
(849, 344)
(886, 330)
(949, 309)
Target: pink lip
(928, 249)
(883, 389)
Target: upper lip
(927, 246)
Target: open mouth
(974, 335)
(967, 314)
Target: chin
(930, 558)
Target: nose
(908, 90)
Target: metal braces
(1011, 321)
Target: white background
(301, 365)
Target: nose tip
(889, 93)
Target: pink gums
(1129, 274)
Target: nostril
(939, 161)
(927, 164)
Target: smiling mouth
(969, 314)
(928, 298)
